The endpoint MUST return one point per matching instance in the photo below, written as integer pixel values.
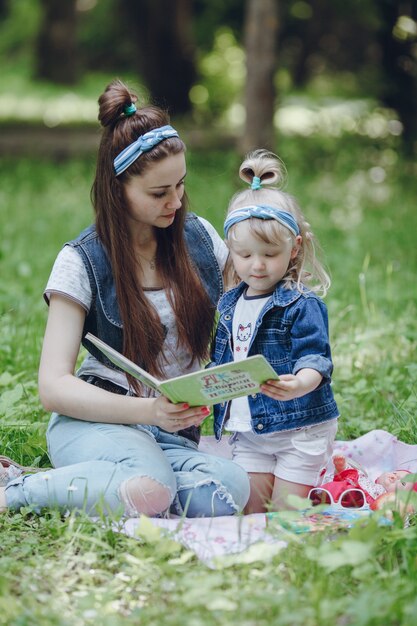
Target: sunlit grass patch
(376, 383)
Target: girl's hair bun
(112, 102)
(265, 165)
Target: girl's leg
(284, 488)
(261, 488)
(207, 486)
(98, 467)
(302, 456)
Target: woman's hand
(290, 386)
(173, 417)
(61, 391)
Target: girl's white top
(245, 316)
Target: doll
(351, 486)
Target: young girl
(146, 279)
(283, 436)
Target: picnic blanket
(221, 540)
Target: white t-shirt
(69, 278)
(245, 317)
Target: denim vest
(103, 319)
(292, 333)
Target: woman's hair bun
(112, 102)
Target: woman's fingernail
(185, 406)
(205, 410)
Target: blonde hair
(305, 270)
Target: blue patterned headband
(262, 212)
(142, 144)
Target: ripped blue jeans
(94, 463)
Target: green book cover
(316, 519)
(322, 517)
(205, 387)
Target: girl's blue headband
(142, 144)
(262, 212)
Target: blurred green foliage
(316, 58)
(19, 27)
(222, 78)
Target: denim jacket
(103, 319)
(292, 333)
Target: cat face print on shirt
(243, 336)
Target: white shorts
(298, 456)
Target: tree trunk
(57, 46)
(163, 31)
(4, 9)
(399, 84)
(260, 36)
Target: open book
(316, 519)
(321, 518)
(205, 387)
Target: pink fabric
(378, 451)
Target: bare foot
(3, 505)
(8, 472)
(339, 462)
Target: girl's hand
(173, 417)
(289, 386)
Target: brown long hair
(143, 333)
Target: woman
(145, 279)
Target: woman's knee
(144, 495)
(233, 484)
(219, 487)
(232, 492)
(239, 485)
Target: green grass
(359, 195)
